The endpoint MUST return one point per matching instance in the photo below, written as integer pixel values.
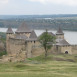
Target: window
(34, 41)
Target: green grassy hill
(54, 66)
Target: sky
(37, 7)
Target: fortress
(24, 43)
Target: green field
(53, 66)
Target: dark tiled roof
(21, 37)
(59, 31)
(33, 35)
(61, 42)
(23, 28)
(10, 30)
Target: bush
(3, 53)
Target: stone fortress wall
(74, 49)
(64, 49)
(34, 48)
(17, 46)
(31, 48)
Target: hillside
(67, 22)
(56, 65)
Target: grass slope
(53, 66)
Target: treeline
(66, 23)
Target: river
(70, 36)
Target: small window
(31, 51)
(34, 41)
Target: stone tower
(23, 30)
(9, 34)
(60, 34)
(31, 43)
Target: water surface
(70, 36)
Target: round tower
(59, 34)
(9, 34)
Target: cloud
(41, 1)
(3, 1)
(63, 2)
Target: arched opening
(66, 52)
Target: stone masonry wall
(60, 36)
(36, 49)
(16, 46)
(33, 48)
(66, 48)
(63, 49)
(8, 36)
(74, 49)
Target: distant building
(24, 42)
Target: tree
(47, 41)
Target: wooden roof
(23, 28)
(59, 31)
(9, 30)
(33, 34)
(61, 42)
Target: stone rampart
(74, 49)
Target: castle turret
(31, 43)
(60, 34)
(9, 34)
(9, 31)
(33, 35)
(23, 29)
